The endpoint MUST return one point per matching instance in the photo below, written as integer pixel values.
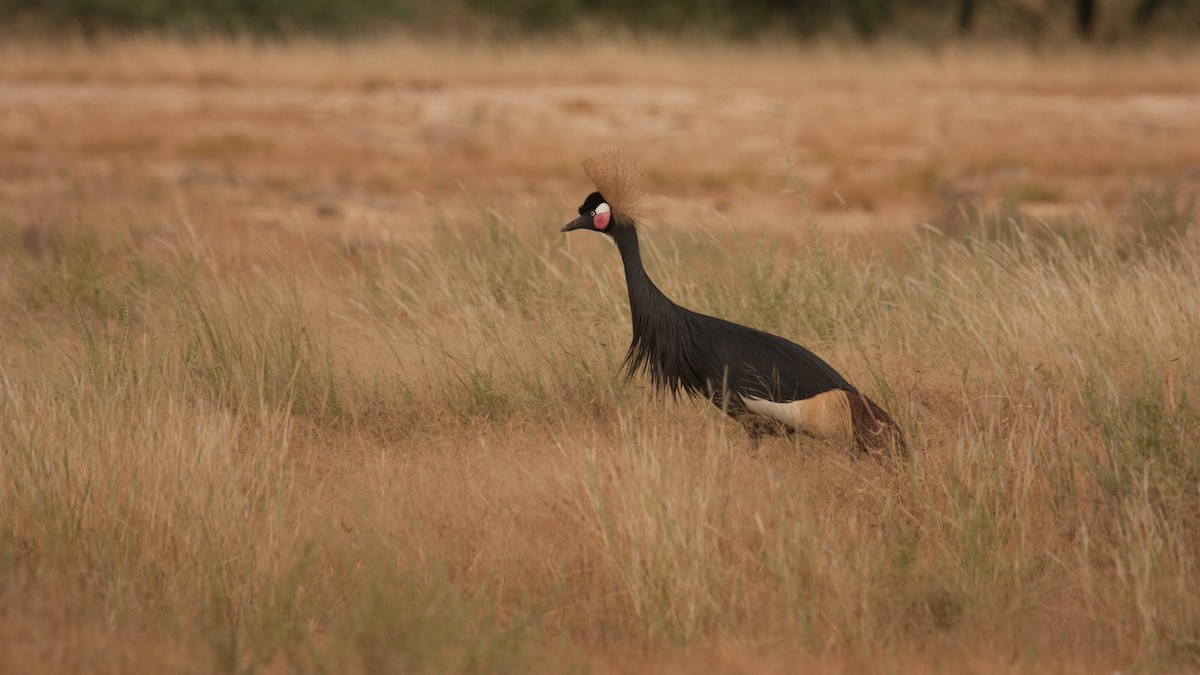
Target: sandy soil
(891, 148)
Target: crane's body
(767, 383)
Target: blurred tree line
(918, 19)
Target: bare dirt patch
(879, 140)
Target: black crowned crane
(765, 382)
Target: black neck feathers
(664, 334)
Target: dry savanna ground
(297, 373)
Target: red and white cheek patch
(602, 217)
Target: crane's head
(594, 214)
(616, 203)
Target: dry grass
(617, 59)
(242, 433)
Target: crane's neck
(664, 336)
(646, 301)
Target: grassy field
(299, 375)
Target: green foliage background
(916, 19)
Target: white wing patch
(825, 415)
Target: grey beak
(578, 223)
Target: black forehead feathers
(593, 200)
